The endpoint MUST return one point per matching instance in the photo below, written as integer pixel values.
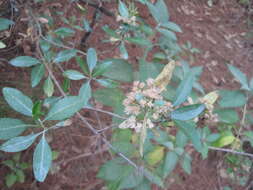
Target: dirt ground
(219, 32)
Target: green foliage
(169, 100)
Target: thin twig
(231, 151)
(106, 112)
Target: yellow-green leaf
(226, 138)
(164, 77)
(155, 156)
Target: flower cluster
(146, 99)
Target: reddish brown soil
(218, 31)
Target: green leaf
(65, 55)
(110, 32)
(64, 32)
(91, 58)
(189, 128)
(131, 180)
(112, 170)
(229, 116)
(124, 135)
(109, 97)
(185, 88)
(36, 75)
(172, 26)
(225, 139)
(153, 178)
(240, 76)
(251, 84)
(123, 11)
(187, 112)
(154, 11)
(37, 110)
(10, 128)
(102, 68)
(5, 23)
(162, 11)
(155, 156)
(181, 139)
(18, 144)
(145, 185)
(48, 87)
(186, 163)
(42, 159)
(169, 163)
(147, 70)
(108, 83)
(212, 137)
(231, 99)
(18, 101)
(2, 45)
(65, 108)
(168, 34)
(82, 64)
(20, 175)
(119, 70)
(126, 148)
(139, 41)
(123, 50)
(74, 75)
(86, 25)
(85, 93)
(24, 61)
(10, 179)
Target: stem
(231, 151)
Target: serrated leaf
(10, 180)
(91, 58)
(189, 128)
(169, 163)
(119, 70)
(240, 76)
(231, 99)
(18, 101)
(163, 79)
(102, 68)
(18, 144)
(65, 108)
(10, 128)
(5, 23)
(24, 61)
(85, 93)
(168, 34)
(37, 74)
(187, 112)
(74, 75)
(42, 159)
(172, 26)
(139, 41)
(48, 87)
(155, 156)
(64, 32)
(185, 88)
(123, 11)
